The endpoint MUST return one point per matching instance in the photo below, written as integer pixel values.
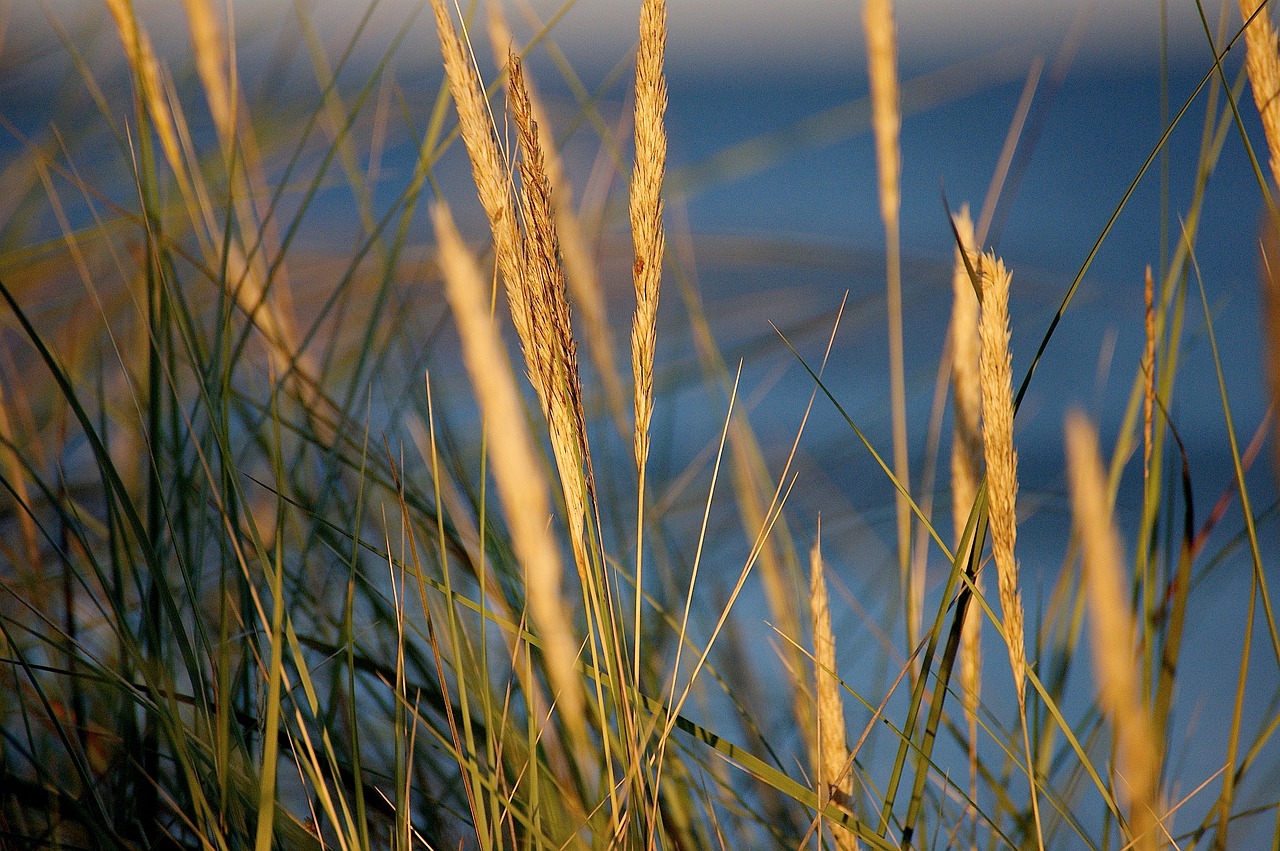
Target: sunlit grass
(294, 553)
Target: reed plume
(551, 354)
(647, 232)
(488, 164)
(1113, 635)
(1262, 62)
(835, 780)
(529, 261)
(966, 467)
(886, 122)
(886, 115)
(996, 367)
(649, 242)
(996, 379)
(576, 256)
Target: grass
(293, 554)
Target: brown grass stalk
(522, 487)
(996, 378)
(835, 782)
(1271, 321)
(1113, 635)
(1149, 367)
(1262, 61)
(209, 48)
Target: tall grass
(285, 533)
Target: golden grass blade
(1262, 61)
(966, 445)
(1113, 635)
(886, 116)
(835, 782)
(522, 487)
(142, 59)
(996, 378)
(211, 59)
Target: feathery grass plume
(522, 486)
(1113, 635)
(834, 781)
(966, 467)
(886, 122)
(649, 242)
(1262, 61)
(488, 165)
(580, 272)
(996, 379)
(996, 369)
(966, 446)
(886, 116)
(647, 232)
(552, 353)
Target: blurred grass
(259, 588)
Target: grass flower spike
(996, 379)
(1112, 634)
(835, 781)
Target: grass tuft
(285, 512)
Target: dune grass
(294, 554)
